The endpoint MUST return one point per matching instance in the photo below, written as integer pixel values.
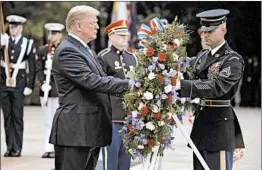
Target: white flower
(134, 113)
(169, 114)
(176, 57)
(161, 66)
(155, 109)
(150, 126)
(183, 100)
(161, 123)
(163, 96)
(140, 147)
(140, 106)
(164, 47)
(151, 76)
(168, 88)
(148, 95)
(182, 109)
(177, 41)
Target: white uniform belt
(21, 65)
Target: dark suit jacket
(84, 115)
(215, 128)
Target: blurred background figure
(17, 55)
(48, 92)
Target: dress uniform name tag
(117, 65)
(226, 72)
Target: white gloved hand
(45, 87)
(48, 64)
(195, 100)
(27, 91)
(4, 39)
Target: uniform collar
(115, 50)
(16, 39)
(217, 48)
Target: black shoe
(16, 153)
(8, 153)
(48, 155)
(51, 154)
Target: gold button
(13, 51)
(12, 57)
(225, 119)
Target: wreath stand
(156, 161)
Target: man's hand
(4, 39)
(238, 154)
(45, 87)
(27, 91)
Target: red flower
(151, 143)
(163, 140)
(160, 77)
(144, 111)
(173, 81)
(157, 115)
(150, 51)
(161, 57)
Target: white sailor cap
(54, 27)
(15, 19)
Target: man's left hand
(27, 91)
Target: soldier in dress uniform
(15, 85)
(116, 61)
(49, 101)
(216, 131)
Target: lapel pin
(217, 55)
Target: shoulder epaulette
(103, 52)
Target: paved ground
(179, 159)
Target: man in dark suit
(48, 92)
(17, 54)
(117, 61)
(83, 121)
(216, 131)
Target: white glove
(27, 91)
(48, 64)
(195, 100)
(4, 39)
(45, 87)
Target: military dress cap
(211, 19)
(15, 19)
(54, 27)
(119, 27)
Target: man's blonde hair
(78, 13)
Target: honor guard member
(48, 92)
(216, 131)
(116, 61)
(15, 85)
